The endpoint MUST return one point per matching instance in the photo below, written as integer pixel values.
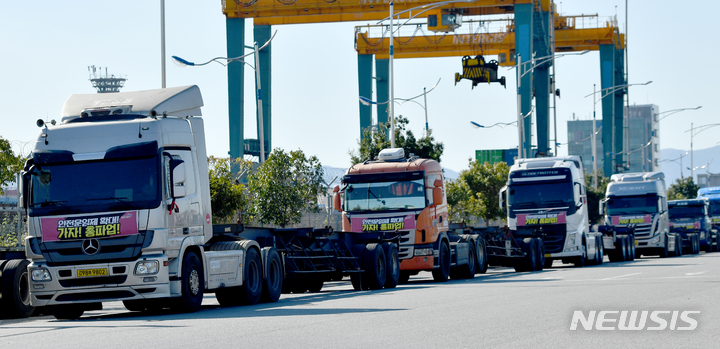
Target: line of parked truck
(118, 206)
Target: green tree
(227, 195)
(475, 192)
(284, 187)
(372, 143)
(10, 164)
(594, 196)
(683, 188)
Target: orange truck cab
(407, 195)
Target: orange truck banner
(89, 227)
(631, 219)
(383, 223)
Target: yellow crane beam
(275, 12)
(501, 44)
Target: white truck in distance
(546, 197)
(635, 212)
(118, 207)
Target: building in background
(580, 142)
(705, 180)
(643, 139)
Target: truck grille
(118, 249)
(407, 241)
(643, 230)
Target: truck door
(183, 216)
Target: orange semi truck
(407, 195)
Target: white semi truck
(546, 198)
(118, 204)
(635, 212)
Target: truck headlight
(423, 251)
(571, 239)
(146, 268)
(41, 274)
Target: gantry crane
(531, 34)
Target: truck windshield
(715, 208)
(695, 211)
(97, 186)
(619, 205)
(540, 195)
(384, 196)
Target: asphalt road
(499, 309)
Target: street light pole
(391, 105)
(258, 94)
(594, 144)
(427, 128)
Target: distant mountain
(672, 159)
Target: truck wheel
(67, 311)
(716, 246)
(482, 260)
(601, 250)
(15, 290)
(393, 264)
(467, 271)
(251, 289)
(580, 260)
(375, 266)
(273, 283)
(665, 251)
(443, 271)
(529, 261)
(192, 284)
(632, 247)
(696, 250)
(540, 264)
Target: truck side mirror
(578, 194)
(177, 177)
(601, 207)
(502, 198)
(23, 189)
(337, 205)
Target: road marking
(620, 276)
(698, 273)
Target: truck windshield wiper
(122, 199)
(49, 203)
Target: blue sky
(47, 47)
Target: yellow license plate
(92, 272)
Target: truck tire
(540, 264)
(375, 266)
(192, 284)
(716, 246)
(632, 247)
(466, 271)
(601, 250)
(273, 281)
(482, 260)
(251, 289)
(529, 261)
(393, 264)
(15, 290)
(696, 245)
(665, 251)
(443, 271)
(67, 311)
(678, 246)
(582, 258)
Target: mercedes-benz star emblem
(91, 246)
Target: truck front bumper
(101, 282)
